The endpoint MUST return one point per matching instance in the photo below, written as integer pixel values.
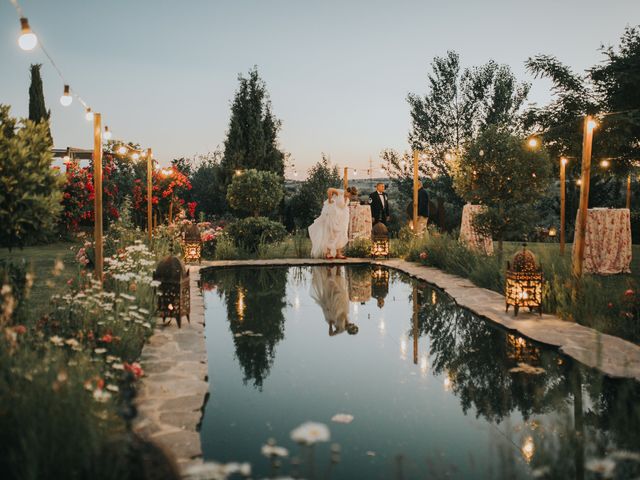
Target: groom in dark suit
(379, 205)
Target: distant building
(63, 155)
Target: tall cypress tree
(252, 139)
(37, 110)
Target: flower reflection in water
(528, 449)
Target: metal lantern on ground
(379, 240)
(524, 282)
(192, 244)
(173, 291)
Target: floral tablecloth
(468, 234)
(607, 243)
(359, 221)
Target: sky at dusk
(163, 73)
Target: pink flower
(20, 329)
(423, 255)
(629, 293)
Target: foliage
(206, 180)
(458, 106)
(29, 188)
(607, 304)
(37, 110)
(498, 170)
(359, 248)
(79, 195)
(255, 192)
(250, 232)
(68, 375)
(608, 88)
(252, 139)
(305, 205)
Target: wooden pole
(563, 202)
(346, 178)
(581, 223)
(629, 191)
(171, 210)
(415, 192)
(149, 194)
(97, 187)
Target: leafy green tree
(252, 139)
(305, 205)
(254, 192)
(458, 106)
(206, 179)
(30, 190)
(499, 170)
(37, 110)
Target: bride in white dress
(328, 233)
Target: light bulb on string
(143, 154)
(88, 114)
(135, 156)
(533, 142)
(564, 161)
(66, 97)
(122, 150)
(107, 133)
(27, 40)
(605, 163)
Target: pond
(409, 384)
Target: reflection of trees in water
(255, 298)
(589, 414)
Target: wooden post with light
(628, 192)
(581, 223)
(346, 178)
(97, 201)
(149, 193)
(415, 192)
(563, 202)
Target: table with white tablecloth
(468, 234)
(359, 221)
(607, 242)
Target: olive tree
(254, 192)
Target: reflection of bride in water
(329, 290)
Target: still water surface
(434, 391)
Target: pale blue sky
(163, 73)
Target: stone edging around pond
(173, 392)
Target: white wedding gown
(329, 230)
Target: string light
(605, 163)
(564, 161)
(122, 150)
(66, 99)
(533, 142)
(591, 124)
(88, 115)
(27, 40)
(107, 133)
(135, 156)
(447, 157)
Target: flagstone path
(174, 390)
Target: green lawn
(40, 260)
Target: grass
(40, 261)
(609, 304)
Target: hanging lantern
(380, 240)
(524, 282)
(173, 292)
(192, 244)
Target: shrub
(360, 248)
(250, 232)
(255, 192)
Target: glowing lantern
(524, 282)
(192, 244)
(379, 240)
